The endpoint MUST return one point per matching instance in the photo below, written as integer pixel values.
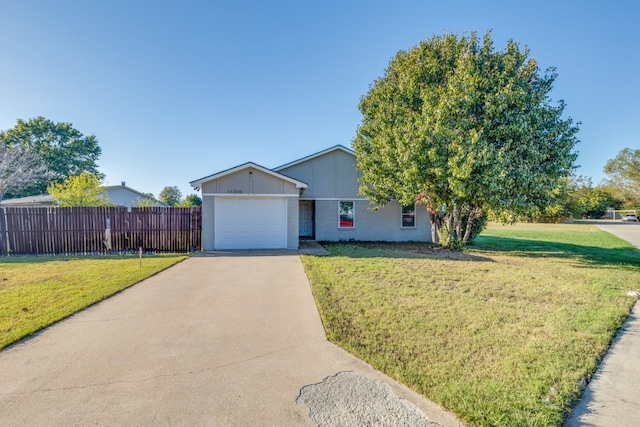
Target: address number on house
(234, 191)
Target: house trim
(246, 195)
(198, 182)
(330, 199)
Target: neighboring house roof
(318, 154)
(29, 201)
(198, 182)
(120, 195)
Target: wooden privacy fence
(98, 230)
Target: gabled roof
(109, 188)
(198, 182)
(318, 154)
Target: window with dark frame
(409, 216)
(346, 215)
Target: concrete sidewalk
(223, 339)
(612, 398)
(311, 247)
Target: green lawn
(38, 291)
(499, 334)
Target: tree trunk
(458, 222)
(451, 228)
(436, 228)
(473, 213)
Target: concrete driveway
(227, 340)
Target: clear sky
(178, 90)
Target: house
(119, 195)
(253, 207)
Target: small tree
(147, 200)
(462, 128)
(19, 168)
(577, 196)
(170, 196)
(192, 200)
(83, 190)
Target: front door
(306, 218)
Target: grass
(38, 291)
(499, 334)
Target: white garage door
(250, 223)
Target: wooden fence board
(84, 230)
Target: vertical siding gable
(249, 181)
(332, 175)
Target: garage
(249, 207)
(250, 223)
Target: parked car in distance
(629, 218)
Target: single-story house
(253, 207)
(119, 195)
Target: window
(409, 216)
(345, 215)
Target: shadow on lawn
(591, 255)
(399, 250)
(41, 259)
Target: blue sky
(178, 90)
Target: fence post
(6, 229)
(107, 235)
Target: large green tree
(623, 171)
(65, 150)
(460, 127)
